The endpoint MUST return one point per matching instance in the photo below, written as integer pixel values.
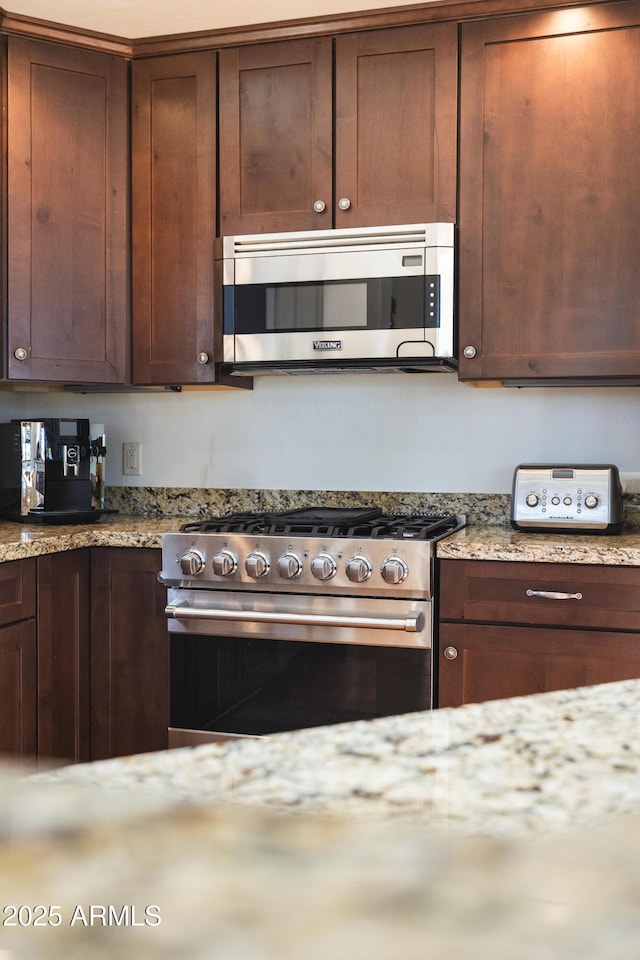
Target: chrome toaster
(583, 498)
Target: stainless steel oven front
(254, 664)
(282, 631)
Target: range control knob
(191, 563)
(532, 500)
(289, 565)
(358, 569)
(323, 566)
(591, 501)
(225, 563)
(257, 564)
(394, 570)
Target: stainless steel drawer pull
(551, 595)
(411, 624)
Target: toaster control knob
(191, 563)
(532, 500)
(257, 564)
(323, 566)
(224, 563)
(591, 501)
(289, 566)
(394, 570)
(358, 569)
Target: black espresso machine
(49, 469)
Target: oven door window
(258, 686)
(379, 303)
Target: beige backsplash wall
(380, 432)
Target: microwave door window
(345, 306)
(378, 303)
(293, 306)
(315, 306)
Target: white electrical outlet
(131, 459)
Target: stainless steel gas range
(281, 621)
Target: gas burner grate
(370, 524)
(405, 527)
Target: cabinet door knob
(20, 353)
(450, 653)
(319, 206)
(469, 352)
(203, 357)
(344, 203)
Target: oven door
(256, 664)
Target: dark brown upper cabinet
(176, 337)
(549, 206)
(384, 132)
(67, 214)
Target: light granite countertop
(474, 542)
(507, 829)
(479, 542)
(513, 767)
(18, 541)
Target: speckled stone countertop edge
(497, 543)
(516, 767)
(22, 541)
(477, 541)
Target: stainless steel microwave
(330, 300)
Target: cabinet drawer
(17, 590)
(540, 593)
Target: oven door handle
(410, 624)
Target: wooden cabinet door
(177, 338)
(18, 689)
(276, 137)
(478, 662)
(63, 685)
(67, 220)
(129, 653)
(18, 658)
(17, 591)
(396, 126)
(549, 200)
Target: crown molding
(438, 10)
(13, 24)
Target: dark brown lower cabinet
(18, 689)
(83, 656)
(18, 734)
(512, 629)
(129, 653)
(64, 623)
(492, 662)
